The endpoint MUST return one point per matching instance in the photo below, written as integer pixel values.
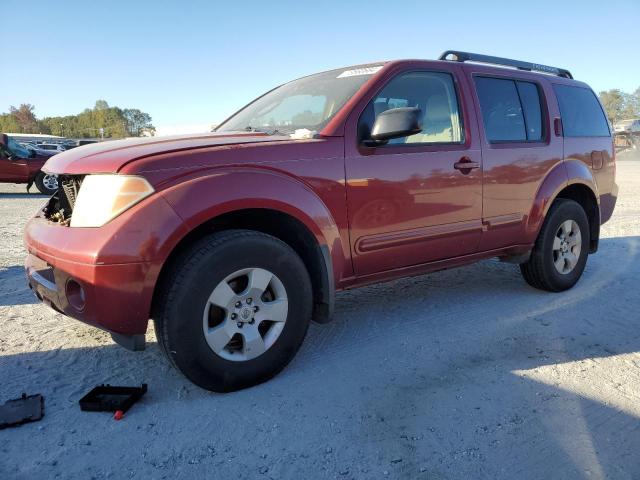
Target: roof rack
(476, 57)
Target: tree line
(116, 122)
(620, 105)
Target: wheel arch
(571, 180)
(282, 226)
(268, 202)
(582, 194)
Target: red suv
(233, 241)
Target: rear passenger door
(518, 151)
(409, 201)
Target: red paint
(20, 170)
(383, 213)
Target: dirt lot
(465, 374)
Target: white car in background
(627, 126)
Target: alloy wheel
(50, 181)
(567, 245)
(245, 314)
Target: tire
(46, 184)
(555, 264)
(185, 315)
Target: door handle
(465, 165)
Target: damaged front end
(60, 206)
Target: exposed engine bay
(60, 205)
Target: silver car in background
(627, 126)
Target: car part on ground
(111, 398)
(21, 410)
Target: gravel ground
(462, 374)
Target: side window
(511, 110)
(17, 149)
(530, 99)
(501, 110)
(433, 92)
(581, 113)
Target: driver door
(15, 170)
(409, 201)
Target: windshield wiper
(274, 131)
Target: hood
(111, 156)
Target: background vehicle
(19, 164)
(39, 151)
(233, 241)
(82, 142)
(627, 126)
(56, 147)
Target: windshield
(17, 149)
(308, 102)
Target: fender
(225, 190)
(568, 172)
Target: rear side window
(530, 99)
(581, 113)
(511, 110)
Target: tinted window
(433, 92)
(581, 113)
(501, 110)
(530, 99)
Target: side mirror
(396, 123)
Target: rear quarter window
(581, 113)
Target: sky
(193, 63)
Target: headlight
(103, 197)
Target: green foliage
(620, 105)
(115, 122)
(137, 121)
(101, 105)
(25, 117)
(8, 123)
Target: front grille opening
(60, 207)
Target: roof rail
(476, 57)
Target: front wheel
(46, 183)
(234, 310)
(560, 252)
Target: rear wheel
(46, 183)
(560, 252)
(234, 310)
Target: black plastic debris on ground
(28, 408)
(108, 398)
